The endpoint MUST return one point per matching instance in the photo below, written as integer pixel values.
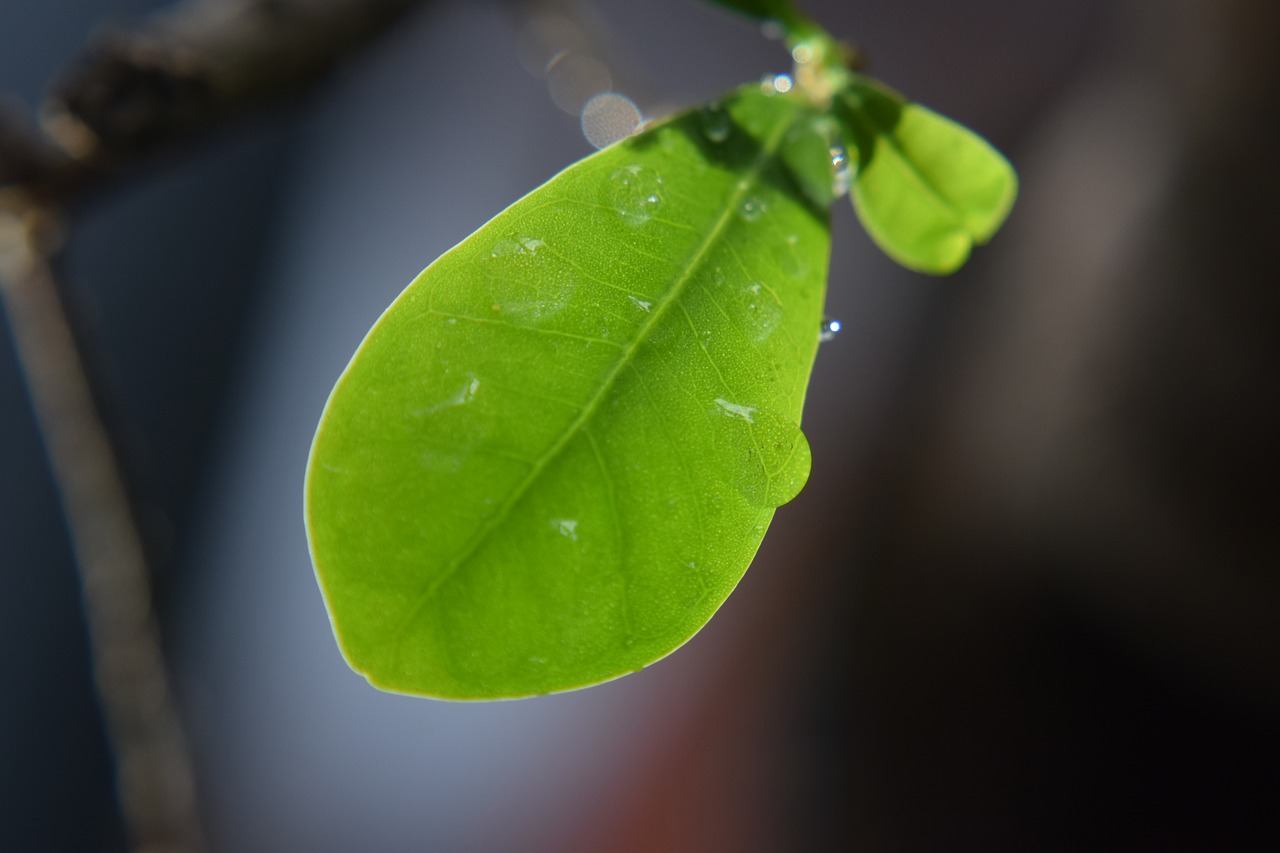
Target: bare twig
(180, 72)
(133, 94)
(153, 770)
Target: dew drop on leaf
(829, 330)
(752, 208)
(792, 259)
(518, 246)
(465, 394)
(635, 192)
(716, 122)
(764, 313)
(765, 455)
(736, 410)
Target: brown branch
(154, 779)
(178, 74)
(133, 94)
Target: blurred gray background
(1026, 602)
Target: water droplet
(829, 330)
(752, 208)
(567, 527)
(518, 246)
(763, 309)
(763, 454)
(736, 410)
(461, 397)
(802, 54)
(791, 260)
(635, 192)
(841, 173)
(772, 30)
(716, 122)
(643, 304)
(528, 300)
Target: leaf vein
(589, 410)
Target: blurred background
(1027, 601)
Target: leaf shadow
(738, 152)
(866, 114)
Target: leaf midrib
(742, 186)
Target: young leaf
(926, 189)
(557, 452)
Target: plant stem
(154, 779)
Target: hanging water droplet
(635, 192)
(764, 454)
(752, 208)
(716, 122)
(829, 330)
(841, 173)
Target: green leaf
(926, 189)
(557, 452)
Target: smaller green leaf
(926, 188)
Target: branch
(180, 73)
(132, 95)
(154, 779)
